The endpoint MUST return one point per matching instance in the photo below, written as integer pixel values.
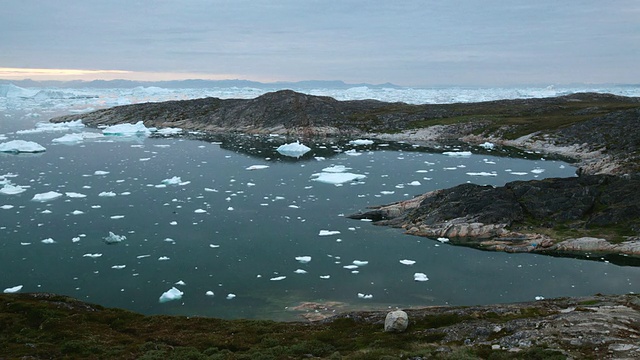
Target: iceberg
(21, 146)
(48, 241)
(407, 262)
(303, 259)
(328, 232)
(361, 142)
(457, 153)
(75, 195)
(420, 277)
(49, 127)
(257, 167)
(137, 129)
(169, 131)
(360, 263)
(482, 173)
(278, 278)
(170, 295)
(113, 238)
(50, 195)
(487, 145)
(230, 296)
(293, 149)
(336, 169)
(12, 290)
(9, 189)
(300, 271)
(209, 293)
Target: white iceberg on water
(50, 195)
(171, 294)
(137, 129)
(21, 146)
(114, 239)
(293, 149)
(12, 290)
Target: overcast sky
(412, 43)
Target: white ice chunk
(48, 241)
(325, 276)
(538, 298)
(116, 217)
(9, 189)
(93, 256)
(420, 277)
(69, 138)
(328, 232)
(77, 212)
(487, 145)
(407, 262)
(21, 146)
(300, 271)
(293, 149)
(100, 172)
(209, 293)
(75, 195)
(176, 180)
(230, 296)
(278, 278)
(415, 183)
(361, 142)
(257, 167)
(337, 178)
(303, 259)
(360, 263)
(443, 239)
(118, 267)
(12, 290)
(482, 173)
(50, 195)
(169, 131)
(163, 258)
(180, 282)
(6, 207)
(352, 152)
(336, 169)
(365, 296)
(457, 153)
(137, 129)
(171, 294)
(350, 267)
(199, 211)
(114, 239)
(537, 171)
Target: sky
(408, 43)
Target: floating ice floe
(295, 149)
(414, 183)
(209, 293)
(75, 195)
(278, 278)
(365, 296)
(325, 277)
(457, 153)
(300, 271)
(180, 282)
(6, 207)
(257, 167)
(487, 145)
(169, 131)
(107, 194)
(113, 238)
(407, 262)
(77, 137)
(538, 298)
(48, 241)
(9, 189)
(303, 259)
(176, 180)
(420, 277)
(200, 211)
(21, 146)
(361, 142)
(482, 173)
(443, 239)
(171, 294)
(360, 263)
(117, 217)
(118, 267)
(537, 171)
(350, 267)
(100, 172)
(163, 258)
(137, 129)
(77, 212)
(230, 296)
(12, 290)
(328, 232)
(50, 195)
(336, 178)
(93, 256)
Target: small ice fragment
(75, 195)
(539, 297)
(200, 211)
(257, 167)
(171, 294)
(137, 129)
(407, 262)
(48, 241)
(230, 296)
(100, 172)
(214, 246)
(118, 267)
(360, 263)
(482, 173)
(143, 256)
(336, 178)
(209, 293)
(77, 212)
(163, 258)
(113, 238)
(325, 276)
(173, 223)
(457, 153)
(328, 232)
(6, 207)
(303, 259)
(414, 183)
(300, 271)
(443, 239)
(230, 208)
(176, 180)
(350, 267)
(116, 217)
(9, 189)
(180, 282)
(365, 296)
(12, 290)
(537, 171)
(107, 194)
(278, 278)
(420, 277)
(50, 195)
(487, 145)
(93, 256)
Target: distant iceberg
(171, 294)
(293, 149)
(336, 178)
(137, 129)
(457, 153)
(18, 146)
(49, 195)
(114, 239)
(361, 142)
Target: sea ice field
(163, 222)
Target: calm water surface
(230, 230)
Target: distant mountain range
(195, 83)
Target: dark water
(230, 230)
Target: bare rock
(396, 321)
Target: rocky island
(594, 213)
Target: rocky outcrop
(591, 213)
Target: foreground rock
(48, 326)
(587, 214)
(396, 321)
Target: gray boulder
(396, 321)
